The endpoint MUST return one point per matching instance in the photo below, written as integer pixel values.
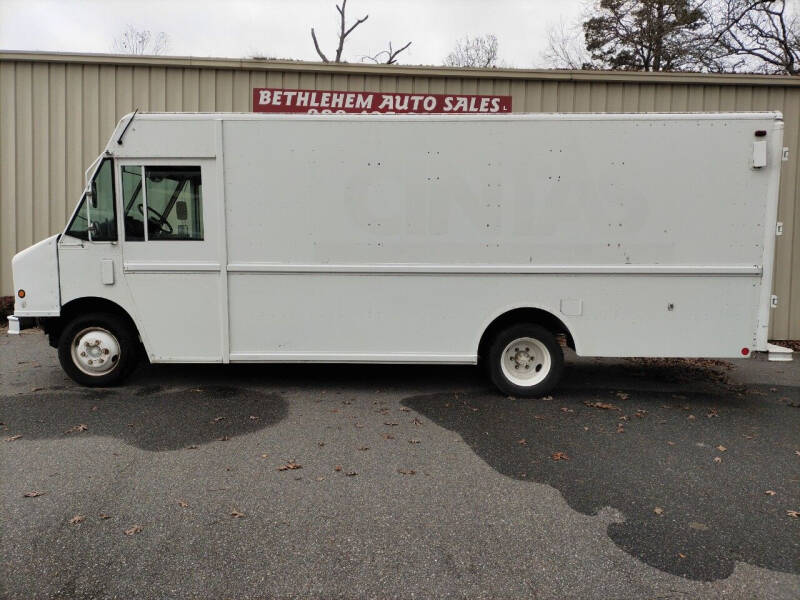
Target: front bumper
(14, 325)
(17, 324)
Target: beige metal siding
(58, 110)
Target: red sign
(276, 100)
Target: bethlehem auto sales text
(337, 102)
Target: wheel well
(525, 315)
(53, 326)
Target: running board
(778, 353)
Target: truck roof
(572, 116)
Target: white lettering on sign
(275, 100)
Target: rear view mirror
(180, 210)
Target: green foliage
(644, 35)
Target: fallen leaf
(407, 471)
(192, 447)
(623, 395)
(182, 503)
(717, 459)
(545, 398)
(698, 526)
(602, 405)
(351, 474)
(413, 441)
(721, 448)
(133, 530)
(218, 419)
(104, 516)
(364, 448)
(793, 513)
(77, 428)
(320, 444)
(320, 478)
(390, 424)
(405, 409)
(691, 417)
(712, 412)
(33, 494)
(388, 436)
(14, 437)
(559, 456)
(640, 413)
(658, 510)
(681, 554)
(224, 438)
(523, 442)
(37, 389)
(265, 456)
(337, 468)
(77, 519)
(671, 443)
(564, 409)
(770, 492)
(290, 466)
(237, 515)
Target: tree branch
(316, 45)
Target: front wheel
(525, 360)
(98, 349)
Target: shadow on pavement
(688, 470)
(150, 417)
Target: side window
(169, 206)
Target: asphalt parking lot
(636, 479)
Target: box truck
(243, 238)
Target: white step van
(222, 238)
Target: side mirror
(180, 210)
(91, 195)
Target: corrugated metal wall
(57, 112)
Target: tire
(525, 361)
(98, 349)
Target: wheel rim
(525, 362)
(95, 351)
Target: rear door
(170, 248)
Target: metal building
(57, 111)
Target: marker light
(21, 293)
(745, 351)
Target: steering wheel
(159, 219)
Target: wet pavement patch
(689, 472)
(151, 418)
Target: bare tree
(566, 48)
(344, 31)
(480, 51)
(140, 41)
(753, 35)
(386, 57)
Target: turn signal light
(21, 293)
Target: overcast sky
(280, 28)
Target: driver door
(170, 249)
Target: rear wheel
(525, 360)
(98, 349)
